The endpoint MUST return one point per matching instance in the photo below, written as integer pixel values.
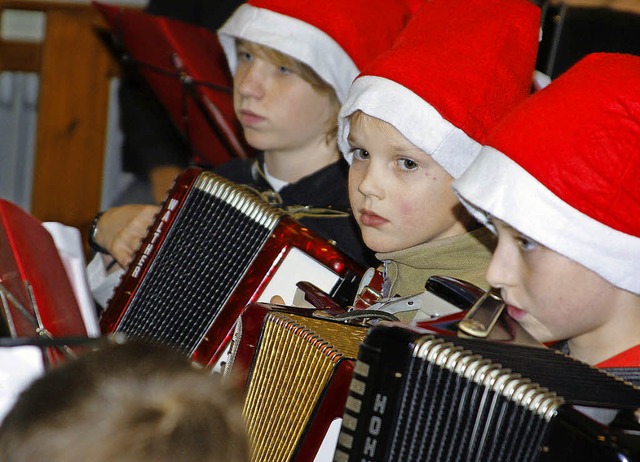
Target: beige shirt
(464, 257)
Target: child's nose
(250, 81)
(499, 273)
(370, 182)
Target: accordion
(419, 396)
(298, 383)
(36, 296)
(215, 247)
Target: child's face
(399, 195)
(276, 107)
(551, 296)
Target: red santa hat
(336, 38)
(563, 168)
(453, 73)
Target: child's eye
(525, 243)
(244, 56)
(359, 154)
(284, 70)
(407, 164)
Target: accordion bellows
(298, 384)
(423, 397)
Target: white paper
(19, 366)
(69, 243)
(297, 266)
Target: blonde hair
(361, 119)
(305, 72)
(129, 403)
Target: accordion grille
(291, 371)
(465, 402)
(192, 275)
(464, 399)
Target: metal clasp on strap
(370, 290)
(306, 211)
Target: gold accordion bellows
(291, 389)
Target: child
(293, 63)
(565, 204)
(416, 118)
(126, 402)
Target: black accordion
(215, 247)
(418, 396)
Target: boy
(565, 205)
(416, 118)
(292, 64)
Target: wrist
(93, 231)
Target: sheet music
(328, 447)
(19, 366)
(69, 244)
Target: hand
(277, 300)
(120, 230)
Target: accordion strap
(370, 290)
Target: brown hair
(304, 71)
(129, 403)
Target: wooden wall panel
(72, 119)
(75, 70)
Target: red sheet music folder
(185, 67)
(36, 297)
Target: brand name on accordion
(167, 213)
(373, 430)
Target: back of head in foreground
(129, 402)
(565, 201)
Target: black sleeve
(149, 137)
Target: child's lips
(516, 313)
(369, 218)
(248, 118)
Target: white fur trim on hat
(292, 37)
(495, 185)
(412, 116)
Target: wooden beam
(20, 56)
(72, 118)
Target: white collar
(276, 183)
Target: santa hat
(563, 168)
(334, 37)
(455, 70)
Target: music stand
(185, 67)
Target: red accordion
(215, 247)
